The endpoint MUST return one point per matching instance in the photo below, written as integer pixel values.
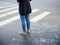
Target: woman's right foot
(28, 31)
(23, 33)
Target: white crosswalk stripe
(8, 6)
(9, 20)
(14, 11)
(34, 19)
(9, 13)
(13, 18)
(37, 18)
(5, 3)
(8, 9)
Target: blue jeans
(25, 22)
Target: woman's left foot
(28, 31)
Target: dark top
(24, 7)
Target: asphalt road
(45, 23)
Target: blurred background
(45, 23)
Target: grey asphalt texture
(44, 32)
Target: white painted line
(8, 6)
(9, 13)
(8, 20)
(5, 3)
(13, 19)
(15, 11)
(37, 18)
(35, 10)
(8, 9)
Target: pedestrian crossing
(4, 4)
(35, 19)
(13, 9)
(8, 9)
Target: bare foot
(23, 33)
(28, 31)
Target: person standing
(24, 11)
